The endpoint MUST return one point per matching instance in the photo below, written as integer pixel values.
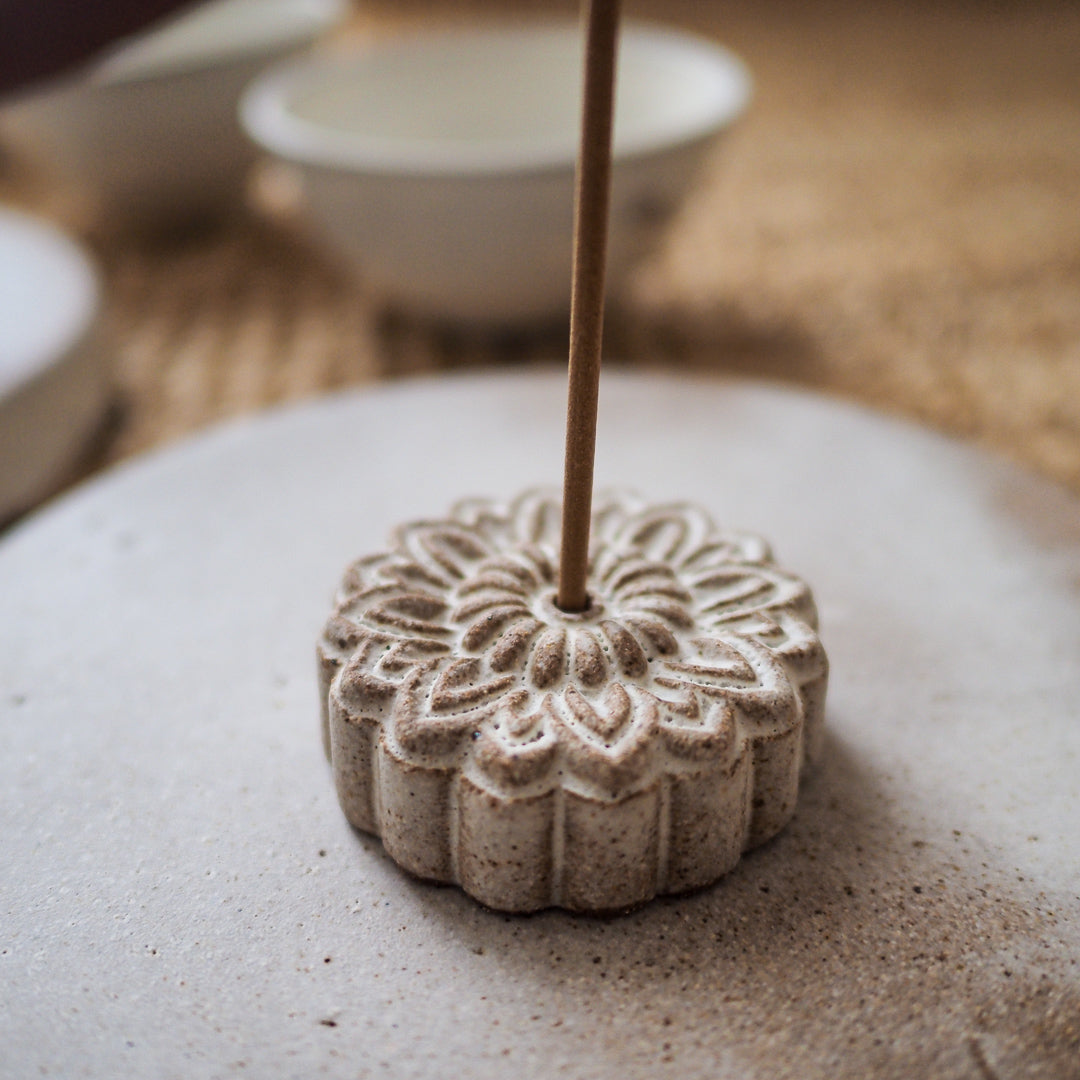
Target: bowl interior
(489, 99)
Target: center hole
(575, 611)
(591, 610)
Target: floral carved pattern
(492, 739)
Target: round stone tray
(181, 896)
(54, 379)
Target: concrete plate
(181, 896)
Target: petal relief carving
(461, 685)
(629, 655)
(496, 577)
(418, 730)
(590, 665)
(518, 747)
(652, 634)
(604, 720)
(385, 616)
(511, 651)
(537, 518)
(695, 649)
(617, 761)
(490, 625)
(549, 658)
(442, 548)
(669, 611)
(713, 733)
(480, 601)
(516, 765)
(665, 533)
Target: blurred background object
(441, 164)
(42, 38)
(893, 221)
(54, 370)
(146, 137)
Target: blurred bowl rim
(159, 52)
(267, 117)
(54, 294)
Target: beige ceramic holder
(587, 760)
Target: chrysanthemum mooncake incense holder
(589, 760)
(556, 703)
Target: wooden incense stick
(592, 198)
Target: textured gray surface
(180, 895)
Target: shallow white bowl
(149, 134)
(55, 379)
(441, 164)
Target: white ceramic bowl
(441, 164)
(149, 136)
(55, 378)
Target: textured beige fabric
(896, 221)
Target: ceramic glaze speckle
(587, 760)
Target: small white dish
(148, 136)
(54, 375)
(441, 165)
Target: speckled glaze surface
(587, 760)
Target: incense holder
(584, 760)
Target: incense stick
(592, 198)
